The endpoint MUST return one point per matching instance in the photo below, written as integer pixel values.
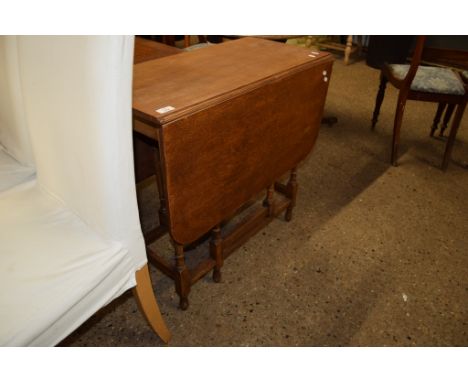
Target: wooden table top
(192, 81)
(146, 50)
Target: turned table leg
(182, 279)
(216, 252)
(159, 181)
(291, 191)
(269, 200)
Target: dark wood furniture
(230, 120)
(451, 58)
(201, 39)
(407, 92)
(146, 50)
(384, 49)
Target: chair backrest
(415, 61)
(384, 49)
(14, 135)
(455, 58)
(443, 57)
(78, 100)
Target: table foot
(183, 303)
(216, 275)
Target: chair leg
(435, 123)
(453, 133)
(397, 127)
(379, 99)
(447, 116)
(148, 305)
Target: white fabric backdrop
(70, 241)
(78, 97)
(16, 158)
(14, 135)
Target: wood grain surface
(146, 50)
(220, 157)
(192, 81)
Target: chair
(422, 83)
(16, 158)
(70, 240)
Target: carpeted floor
(375, 255)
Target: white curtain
(71, 240)
(16, 158)
(14, 135)
(78, 98)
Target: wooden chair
(422, 83)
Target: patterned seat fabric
(465, 75)
(431, 79)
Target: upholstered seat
(12, 173)
(431, 79)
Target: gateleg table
(230, 120)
